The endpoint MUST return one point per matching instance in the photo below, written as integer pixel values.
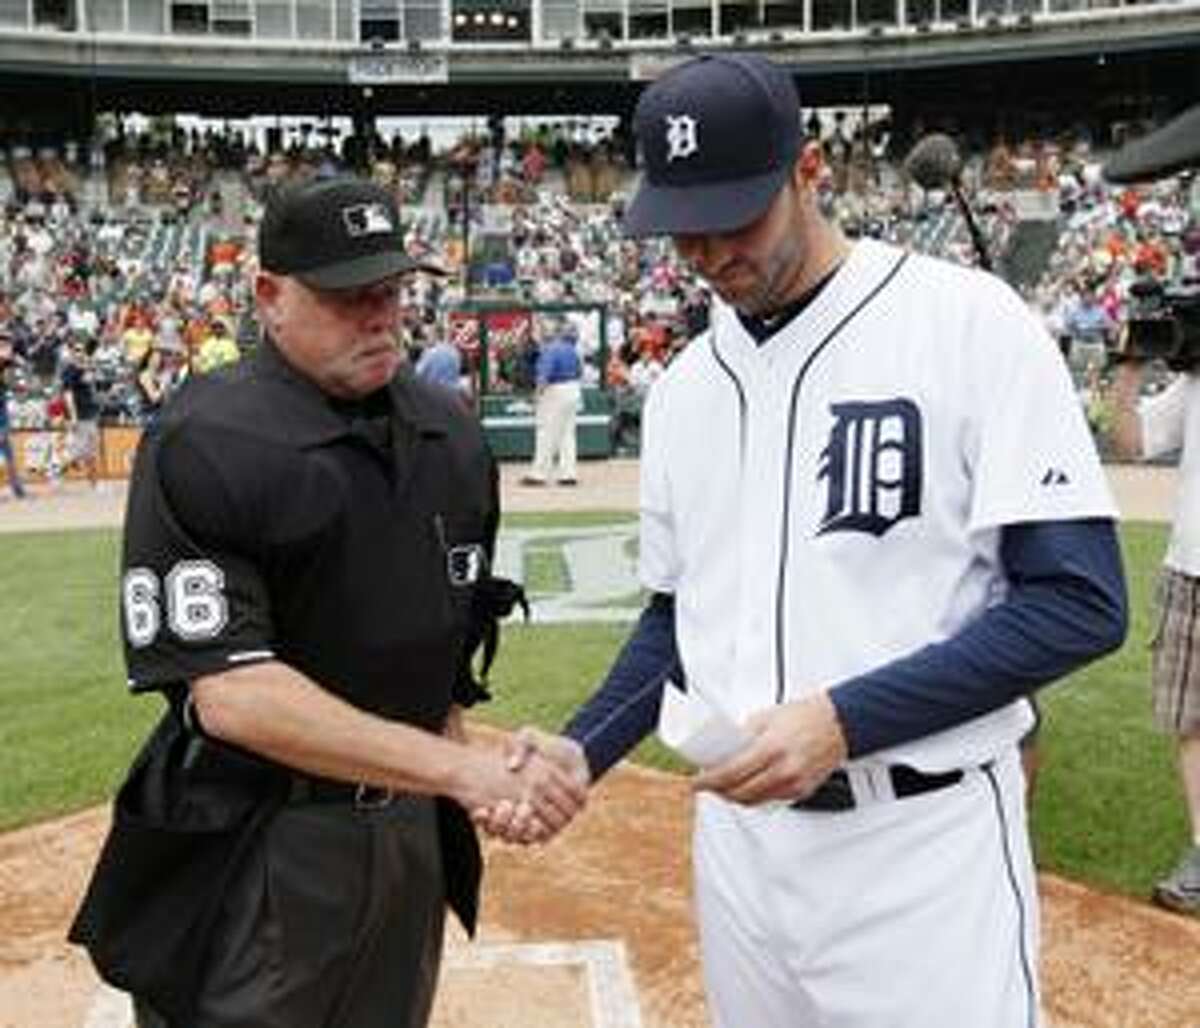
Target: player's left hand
(794, 748)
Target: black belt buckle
(372, 797)
(359, 795)
(908, 781)
(831, 795)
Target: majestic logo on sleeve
(872, 463)
(681, 137)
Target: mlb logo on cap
(335, 233)
(367, 218)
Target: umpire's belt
(356, 794)
(837, 793)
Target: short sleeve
(193, 601)
(658, 559)
(1031, 453)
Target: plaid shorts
(1176, 654)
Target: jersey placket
(757, 532)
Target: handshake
(542, 786)
(779, 754)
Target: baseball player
(872, 521)
(305, 561)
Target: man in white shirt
(1157, 426)
(1152, 428)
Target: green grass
(66, 729)
(634, 600)
(546, 570)
(544, 672)
(1108, 809)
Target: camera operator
(1153, 427)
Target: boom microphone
(935, 163)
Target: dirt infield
(620, 873)
(1143, 493)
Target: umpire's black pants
(335, 922)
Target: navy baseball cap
(718, 134)
(334, 233)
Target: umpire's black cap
(718, 134)
(334, 233)
(1166, 150)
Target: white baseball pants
(912, 913)
(555, 435)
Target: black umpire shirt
(267, 521)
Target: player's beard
(761, 288)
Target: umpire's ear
(268, 287)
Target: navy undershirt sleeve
(1066, 605)
(624, 710)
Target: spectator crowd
(123, 273)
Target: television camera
(1164, 318)
(1163, 323)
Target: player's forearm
(275, 711)
(1066, 606)
(625, 707)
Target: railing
(446, 26)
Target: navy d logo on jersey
(872, 464)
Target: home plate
(499, 985)
(537, 985)
(110, 1009)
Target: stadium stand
(141, 243)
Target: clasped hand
(555, 777)
(792, 750)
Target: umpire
(305, 564)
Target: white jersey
(1169, 421)
(832, 499)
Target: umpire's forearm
(271, 709)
